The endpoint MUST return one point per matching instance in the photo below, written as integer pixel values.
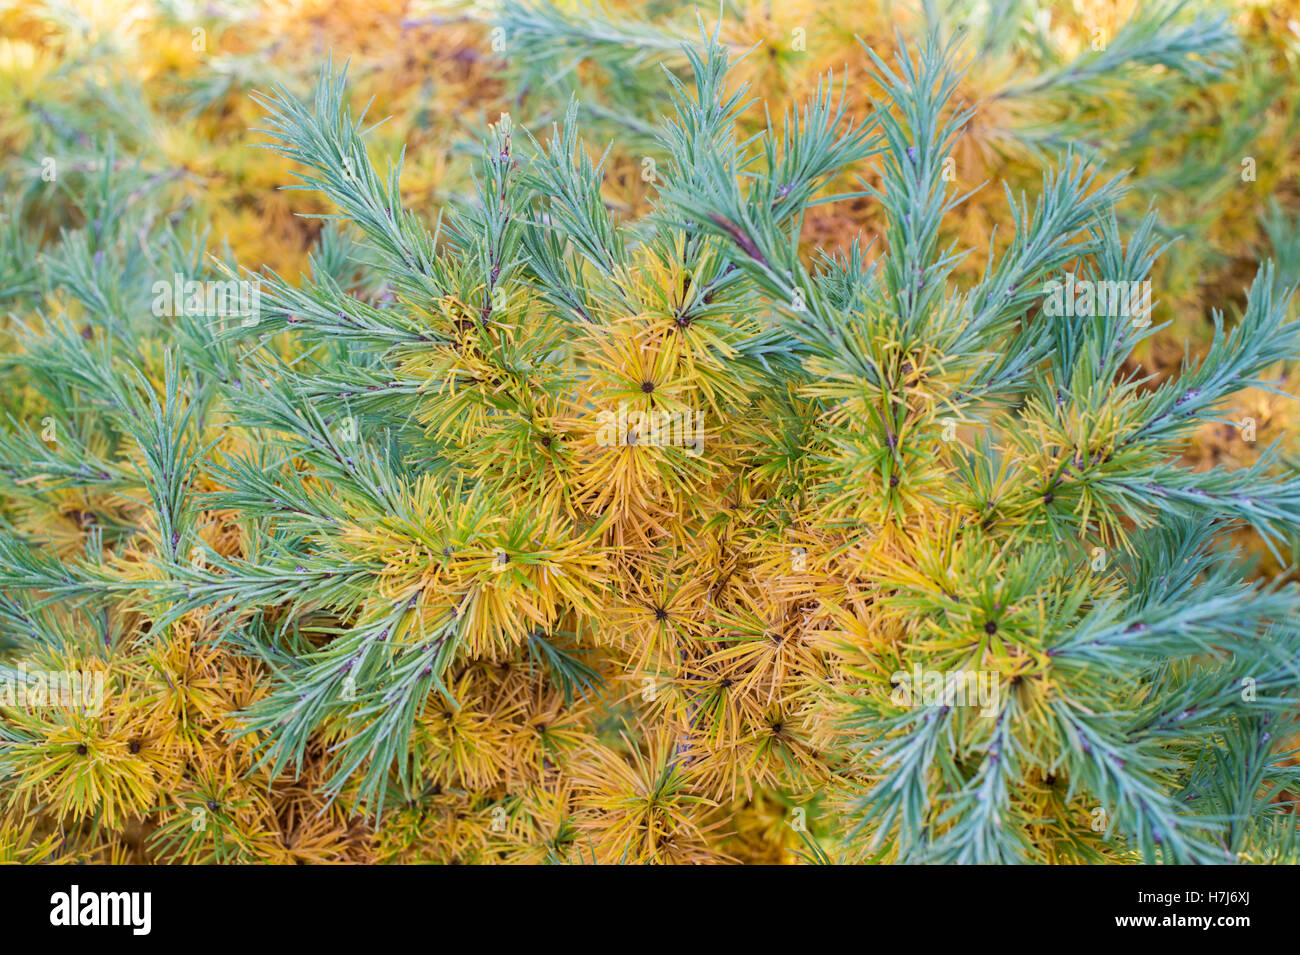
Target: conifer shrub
(540, 535)
(1195, 97)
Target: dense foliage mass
(559, 527)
